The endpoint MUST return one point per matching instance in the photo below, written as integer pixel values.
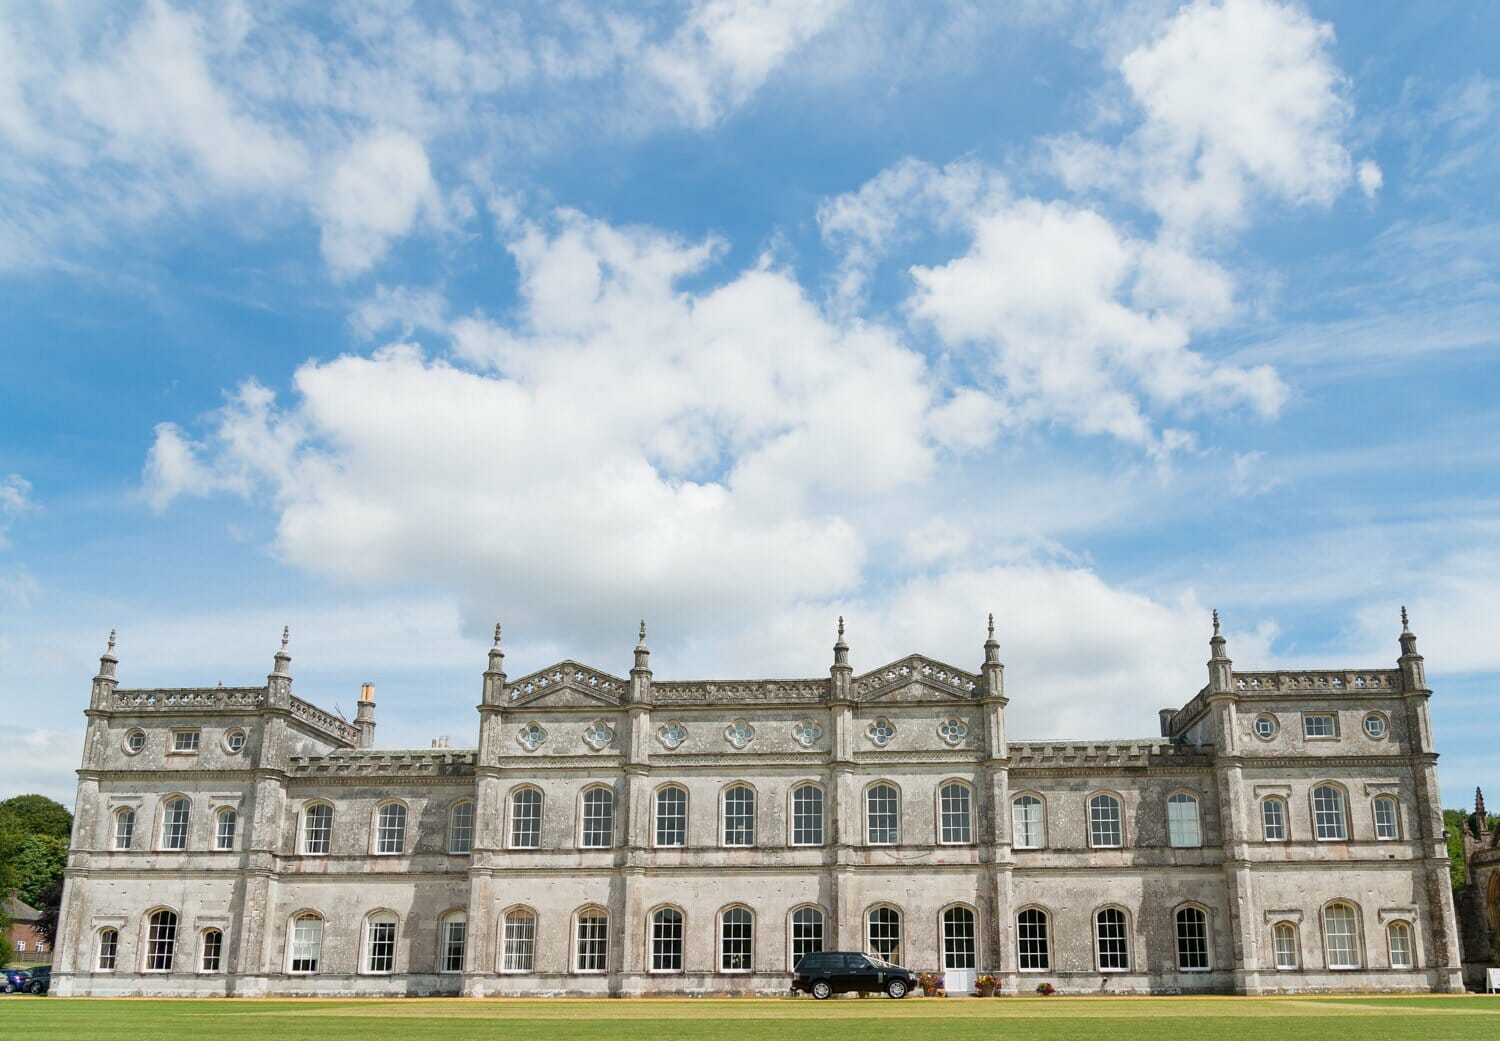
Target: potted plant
(985, 984)
(1045, 990)
(931, 983)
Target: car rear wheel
(10, 988)
(896, 988)
(822, 990)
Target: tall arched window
(958, 938)
(884, 934)
(461, 827)
(671, 815)
(390, 829)
(1288, 948)
(1033, 942)
(306, 943)
(455, 934)
(518, 940)
(174, 823)
(739, 815)
(226, 821)
(666, 940)
(1273, 819)
(598, 830)
(1112, 940)
(1398, 942)
(591, 940)
(1028, 822)
(1387, 826)
(1192, 940)
(211, 954)
(109, 950)
(161, 940)
(736, 940)
(882, 815)
(1183, 829)
(1328, 812)
(380, 943)
(807, 815)
(956, 810)
(1105, 829)
(525, 818)
(124, 828)
(807, 933)
(1341, 936)
(317, 829)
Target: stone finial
(286, 634)
(991, 645)
(282, 657)
(1216, 621)
(642, 652)
(1217, 642)
(1405, 622)
(497, 656)
(992, 625)
(111, 648)
(497, 634)
(841, 649)
(107, 660)
(1481, 818)
(1409, 642)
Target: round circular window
(234, 740)
(1375, 725)
(1265, 726)
(135, 741)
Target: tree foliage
(37, 815)
(39, 862)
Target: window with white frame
(211, 957)
(884, 934)
(161, 941)
(1398, 941)
(1319, 725)
(1027, 822)
(739, 815)
(226, 822)
(591, 941)
(124, 828)
(1328, 812)
(109, 950)
(1112, 940)
(1033, 944)
(598, 819)
(1105, 830)
(882, 815)
(174, 823)
(1288, 950)
(1273, 819)
(317, 829)
(958, 938)
(666, 940)
(956, 809)
(461, 828)
(455, 939)
(1183, 828)
(807, 933)
(736, 940)
(1386, 820)
(390, 828)
(380, 943)
(1192, 939)
(807, 815)
(185, 741)
(671, 816)
(525, 818)
(1341, 936)
(307, 943)
(518, 941)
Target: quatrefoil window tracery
(598, 734)
(952, 730)
(671, 734)
(739, 733)
(880, 731)
(807, 733)
(532, 735)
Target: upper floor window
(1105, 830)
(807, 815)
(1328, 812)
(1319, 724)
(1341, 936)
(174, 823)
(1386, 819)
(525, 818)
(739, 815)
(591, 941)
(390, 829)
(1192, 940)
(671, 816)
(1183, 829)
(1027, 823)
(212, 955)
(1112, 940)
(161, 941)
(234, 741)
(317, 829)
(1266, 726)
(736, 940)
(307, 943)
(226, 821)
(455, 939)
(598, 818)
(461, 827)
(1273, 819)
(1375, 725)
(185, 741)
(955, 807)
(1398, 940)
(135, 741)
(380, 943)
(666, 940)
(882, 815)
(124, 828)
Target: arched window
(461, 827)
(525, 818)
(161, 940)
(1112, 940)
(739, 815)
(666, 940)
(1287, 947)
(1341, 936)
(380, 943)
(807, 815)
(124, 828)
(1033, 942)
(518, 940)
(211, 955)
(598, 830)
(736, 940)
(390, 829)
(956, 813)
(807, 933)
(226, 821)
(1398, 941)
(1028, 822)
(1328, 812)
(671, 815)
(884, 934)
(174, 823)
(1183, 829)
(591, 940)
(958, 938)
(1273, 819)
(307, 943)
(1105, 831)
(1387, 826)
(109, 949)
(882, 815)
(1192, 940)
(317, 829)
(455, 935)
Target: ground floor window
(518, 944)
(1032, 942)
(737, 940)
(213, 951)
(109, 948)
(161, 941)
(885, 934)
(1192, 940)
(1342, 936)
(591, 942)
(307, 943)
(1399, 936)
(666, 940)
(807, 933)
(958, 938)
(1285, 942)
(1112, 940)
(455, 939)
(380, 944)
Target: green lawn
(1087, 1019)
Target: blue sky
(388, 321)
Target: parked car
(14, 980)
(41, 979)
(825, 973)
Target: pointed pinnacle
(1216, 621)
(841, 627)
(992, 625)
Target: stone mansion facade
(626, 835)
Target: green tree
(39, 862)
(10, 839)
(37, 815)
(1455, 823)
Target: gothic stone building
(1479, 900)
(616, 835)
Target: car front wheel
(822, 989)
(896, 988)
(10, 988)
(36, 988)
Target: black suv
(825, 973)
(41, 979)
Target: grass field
(1086, 1019)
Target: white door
(959, 982)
